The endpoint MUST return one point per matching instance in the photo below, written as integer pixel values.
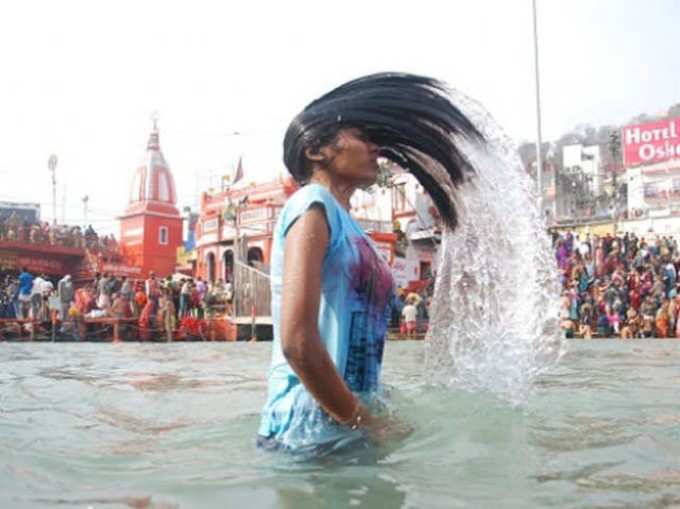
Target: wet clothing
(356, 292)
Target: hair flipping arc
(411, 118)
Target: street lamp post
(231, 214)
(539, 135)
(86, 199)
(614, 149)
(52, 166)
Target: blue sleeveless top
(356, 291)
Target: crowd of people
(612, 286)
(154, 302)
(618, 286)
(159, 301)
(14, 229)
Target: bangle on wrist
(354, 422)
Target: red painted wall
(140, 243)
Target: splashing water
(494, 317)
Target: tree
(642, 118)
(527, 154)
(674, 111)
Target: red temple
(151, 227)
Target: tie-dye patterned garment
(356, 291)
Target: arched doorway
(210, 260)
(228, 264)
(255, 256)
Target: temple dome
(153, 181)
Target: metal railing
(252, 292)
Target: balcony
(427, 234)
(375, 225)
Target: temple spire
(153, 181)
(154, 141)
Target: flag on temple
(239, 171)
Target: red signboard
(118, 269)
(36, 264)
(652, 142)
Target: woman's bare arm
(305, 247)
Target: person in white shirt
(37, 298)
(583, 248)
(66, 294)
(409, 313)
(229, 295)
(184, 297)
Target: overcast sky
(81, 79)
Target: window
(163, 235)
(399, 197)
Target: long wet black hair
(411, 118)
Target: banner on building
(22, 212)
(652, 142)
(667, 190)
(36, 264)
(655, 192)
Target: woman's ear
(315, 155)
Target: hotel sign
(652, 142)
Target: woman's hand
(382, 429)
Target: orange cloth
(140, 299)
(662, 325)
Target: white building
(404, 207)
(653, 199)
(586, 159)
(414, 213)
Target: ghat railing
(252, 293)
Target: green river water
(165, 426)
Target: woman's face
(352, 158)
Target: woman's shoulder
(306, 197)
(308, 194)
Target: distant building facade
(580, 182)
(418, 229)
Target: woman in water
(331, 289)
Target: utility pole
(63, 203)
(231, 214)
(539, 135)
(52, 166)
(237, 259)
(615, 150)
(86, 199)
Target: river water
(163, 426)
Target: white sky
(80, 79)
